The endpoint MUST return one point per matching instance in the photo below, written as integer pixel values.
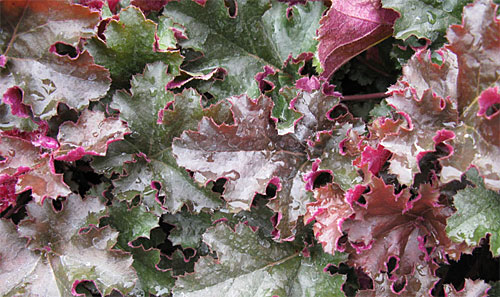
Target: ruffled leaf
(91, 135)
(133, 223)
(30, 30)
(249, 155)
(425, 19)
(329, 211)
(478, 214)
(129, 46)
(392, 225)
(145, 156)
(444, 101)
(61, 255)
(245, 39)
(248, 265)
(28, 168)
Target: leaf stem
(364, 97)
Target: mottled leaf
(61, 255)
(388, 225)
(29, 168)
(425, 19)
(249, 154)
(257, 34)
(248, 265)
(30, 29)
(442, 100)
(129, 46)
(133, 223)
(329, 211)
(478, 214)
(349, 28)
(91, 135)
(154, 121)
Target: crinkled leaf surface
(349, 28)
(188, 228)
(133, 223)
(420, 283)
(31, 169)
(152, 140)
(392, 225)
(425, 19)
(29, 29)
(329, 212)
(478, 213)
(248, 265)
(477, 288)
(445, 101)
(249, 154)
(259, 34)
(129, 46)
(89, 136)
(331, 155)
(59, 254)
(477, 46)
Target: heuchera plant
(249, 148)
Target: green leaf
(129, 46)
(29, 30)
(133, 223)
(425, 19)
(248, 265)
(188, 228)
(58, 255)
(152, 140)
(478, 214)
(259, 34)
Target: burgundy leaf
(91, 135)
(409, 229)
(349, 28)
(329, 210)
(31, 168)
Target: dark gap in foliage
(167, 247)
(218, 186)
(391, 264)
(338, 111)
(430, 166)
(190, 55)
(65, 49)
(450, 189)
(57, 204)
(356, 279)
(308, 69)
(361, 200)
(2, 158)
(479, 265)
(322, 179)
(80, 176)
(493, 109)
(266, 86)
(135, 201)
(64, 114)
(88, 289)
(390, 179)
(17, 212)
(399, 285)
(232, 7)
(271, 190)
